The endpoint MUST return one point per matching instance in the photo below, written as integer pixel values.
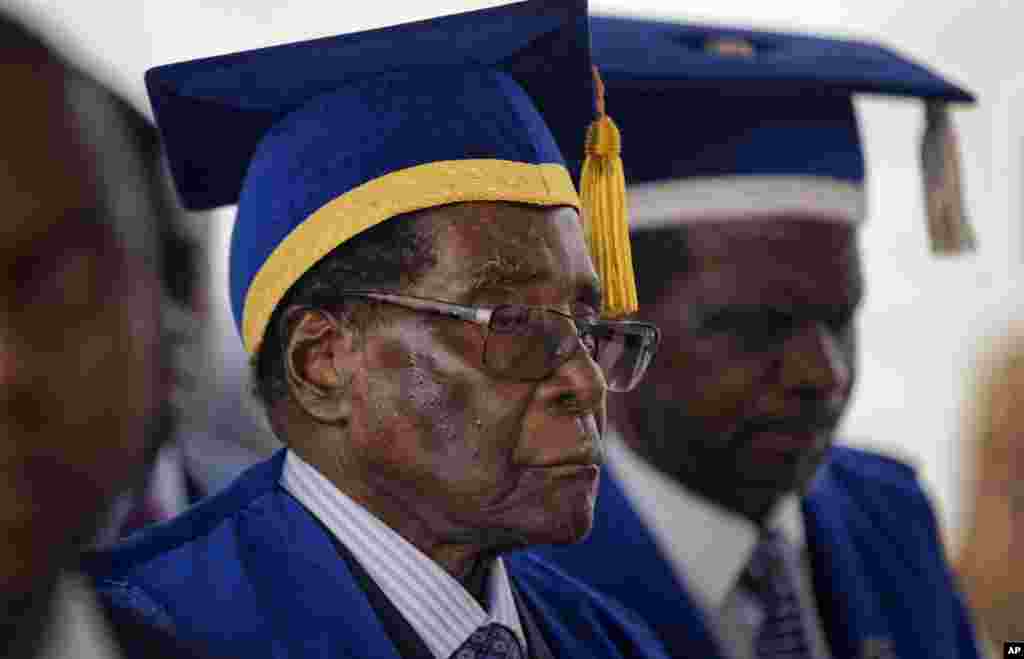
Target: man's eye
(754, 330)
(762, 337)
(841, 319)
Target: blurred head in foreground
(80, 370)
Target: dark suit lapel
(137, 638)
(537, 647)
(851, 611)
(317, 607)
(193, 490)
(398, 629)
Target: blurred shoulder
(879, 466)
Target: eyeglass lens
(530, 343)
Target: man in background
(733, 523)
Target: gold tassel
(603, 196)
(949, 230)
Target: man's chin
(573, 512)
(551, 506)
(545, 527)
(568, 526)
(571, 534)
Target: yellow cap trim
(403, 191)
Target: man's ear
(320, 357)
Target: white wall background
(923, 318)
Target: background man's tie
(781, 634)
(491, 641)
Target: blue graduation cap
(319, 140)
(763, 123)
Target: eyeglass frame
(482, 315)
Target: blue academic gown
(879, 570)
(251, 573)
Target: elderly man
(81, 318)
(410, 275)
(737, 527)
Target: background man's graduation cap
(319, 140)
(724, 123)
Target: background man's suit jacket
(251, 573)
(879, 569)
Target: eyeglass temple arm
(457, 311)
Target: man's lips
(789, 436)
(788, 447)
(588, 458)
(785, 442)
(589, 452)
(569, 474)
(588, 471)
(581, 469)
(585, 464)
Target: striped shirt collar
(436, 605)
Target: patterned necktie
(492, 641)
(781, 634)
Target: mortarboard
(763, 122)
(319, 140)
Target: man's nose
(576, 387)
(813, 364)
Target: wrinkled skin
(757, 360)
(78, 340)
(414, 427)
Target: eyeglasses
(530, 343)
